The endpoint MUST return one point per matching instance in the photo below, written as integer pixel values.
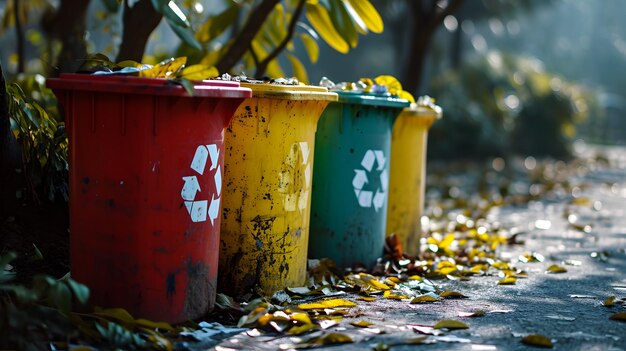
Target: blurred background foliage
(500, 105)
(513, 76)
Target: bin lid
(424, 107)
(290, 92)
(358, 97)
(146, 86)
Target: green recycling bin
(350, 178)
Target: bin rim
(415, 110)
(290, 92)
(360, 98)
(146, 86)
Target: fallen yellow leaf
(415, 341)
(446, 270)
(301, 329)
(395, 280)
(452, 294)
(537, 340)
(619, 317)
(335, 312)
(330, 339)
(331, 303)
(301, 318)
(507, 281)
(478, 313)
(389, 295)
(366, 298)
(500, 265)
(555, 269)
(361, 324)
(581, 201)
(424, 299)
(609, 302)
(450, 324)
(374, 282)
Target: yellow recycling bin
(268, 169)
(407, 172)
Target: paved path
(564, 307)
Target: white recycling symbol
(368, 198)
(199, 209)
(294, 181)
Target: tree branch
(262, 66)
(245, 37)
(422, 32)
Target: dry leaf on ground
(537, 340)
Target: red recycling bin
(146, 164)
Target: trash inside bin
(146, 163)
(351, 169)
(407, 174)
(268, 172)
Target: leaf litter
(461, 243)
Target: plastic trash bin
(268, 170)
(145, 185)
(351, 169)
(407, 173)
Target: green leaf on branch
(320, 20)
(343, 23)
(368, 14)
(171, 12)
(312, 49)
(216, 25)
(187, 84)
(185, 35)
(38, 256)
(360, 25)
(298, 68)
(80, 291)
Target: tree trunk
(10, 158)
(68, 24)
(138, 23)
(414, 65)
(426, 20)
